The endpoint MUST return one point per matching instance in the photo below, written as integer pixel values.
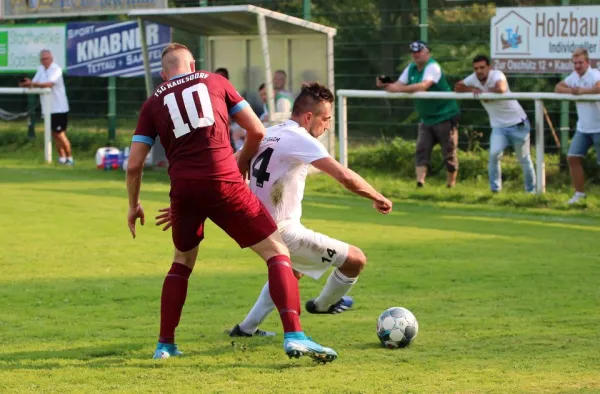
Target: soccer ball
(397, 327)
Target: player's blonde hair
(581, 52)
(172, 47)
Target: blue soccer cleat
(297, 344)
(166, 350)
(342, 305)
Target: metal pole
(564, 120)
(112, 108)
(331, 85)
(539, 147)
(31, 99)
(423, 21)
(306, 9)
(264, 41)
(147, 70)
(47, 102)
(202, 44)
(343, 130)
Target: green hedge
(396, 157)
(81, 141)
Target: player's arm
(142, 141)
(593, 90)
(52, 78)
(353, 182)
(255, 132)
(501, 86)
(460, 87)
(399, 87)
(562, 87)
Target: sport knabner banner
(542, 39)
(14, 9)
(103, 49)
(20, 46)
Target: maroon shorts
(231, 206)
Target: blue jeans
(518, 137)
(582, 142)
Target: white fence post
(539, 147)
(47, 127)
(343, 130)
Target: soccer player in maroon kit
(190, 113)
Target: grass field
(507, 300)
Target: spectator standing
(583, 80)
(509, 122)
(50, 75)
(439, 118)
(283, 98)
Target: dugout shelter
(252, 42)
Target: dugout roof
(230, 20)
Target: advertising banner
(20, 46)
(542, 39)
(103, 49)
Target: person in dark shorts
(190, 113)
(439, 118)
(50, 75)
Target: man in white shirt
(50, 75)
(583, 80)
(283, 98)
(509, 122)
(278, 176)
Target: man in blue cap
(439, 118)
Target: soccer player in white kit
(277, 176)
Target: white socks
(261, 309)
(337, 286)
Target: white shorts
(313, 253)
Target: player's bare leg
(262, 308)
(421, 173)
(174, 293)
(451, 178)
(60, 149)
(66, 145)
(333, 297)
(283, 289)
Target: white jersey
(54, 74)
(588, 112)
(502, 113)
(278, 171)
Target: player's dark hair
(481, 58)
(261, 87)
(173, 47)
(310, 96)
(223, 72)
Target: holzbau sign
(542, 39)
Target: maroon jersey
(190, 114)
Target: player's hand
(164, 218)
(384, 206)
(576, 91)
(476, 92)
(133, 215)
(379, 84)
(244, 166)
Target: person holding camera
(439, 118)
(50, 75)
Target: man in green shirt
(439, 118)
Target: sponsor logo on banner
(104, 49)
(20, 46)
(542, 39)
(15, 9)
